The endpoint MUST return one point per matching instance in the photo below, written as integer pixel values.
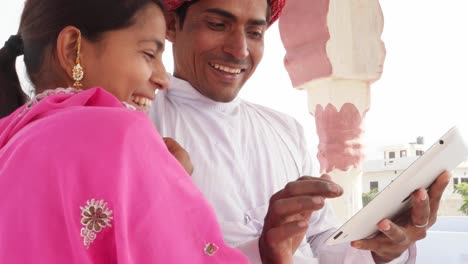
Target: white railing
(446, 242)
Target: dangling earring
(78, 72)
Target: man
(250, 160)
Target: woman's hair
(40, 25)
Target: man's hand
(398, 237)
(288, 216)
(180, 154)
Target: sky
(423, 89)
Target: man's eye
(216, 25)
(256, 34)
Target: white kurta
(242, 154)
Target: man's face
(219, 45)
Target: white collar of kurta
(182, 91)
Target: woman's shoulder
(63, 111)
(89, 114)
(115, 122)
(92, 107)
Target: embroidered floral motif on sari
(95, 217)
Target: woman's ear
(68, 42)
(172, 25)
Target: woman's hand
(180, 154)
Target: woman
(84, 177)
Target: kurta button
(211, 249)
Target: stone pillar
(334, 51)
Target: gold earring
(77, 71)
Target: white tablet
(446, 154)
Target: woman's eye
(149, 55)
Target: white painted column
(335, 52)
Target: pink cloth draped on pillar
(305, 42)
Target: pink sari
(85, 180)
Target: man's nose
(236, 45)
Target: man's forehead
(276, 7)
(237, 14)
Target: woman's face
(128, 62)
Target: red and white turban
(275, 5)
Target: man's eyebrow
(230, 16)
(221, 12)
(257, 22)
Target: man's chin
(223, 98)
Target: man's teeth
(226, 69)
(141, 101)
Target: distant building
(377, 174)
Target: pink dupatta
(85, 180)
